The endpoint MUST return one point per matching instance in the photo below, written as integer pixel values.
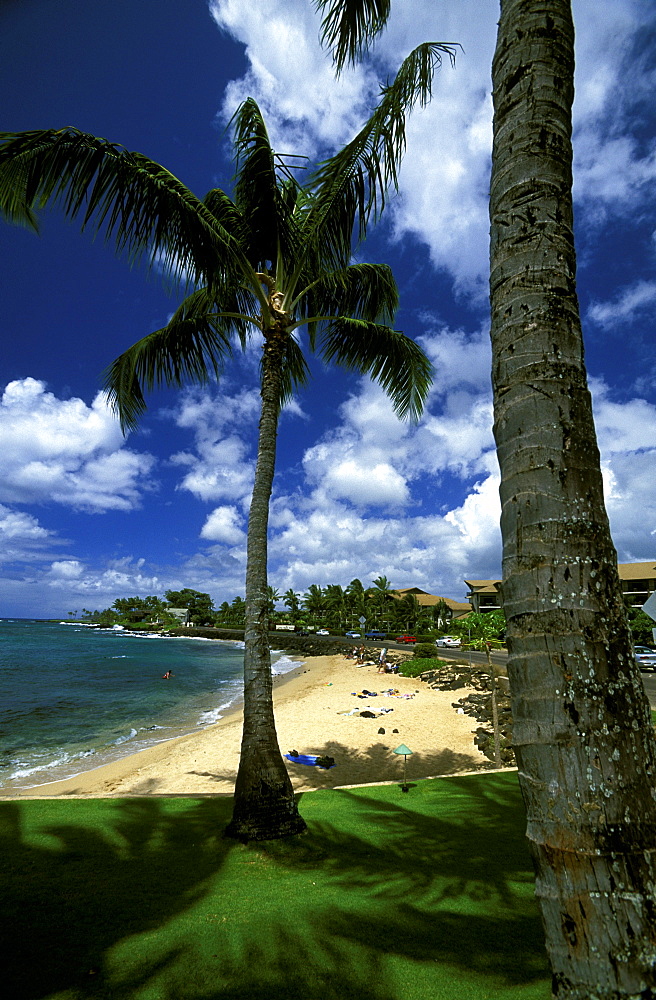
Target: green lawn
(389, 896)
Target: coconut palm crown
(274, 257)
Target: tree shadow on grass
(72, 887)
(385, 894)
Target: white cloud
(66, 569)
(15, 525)
(290, 76)
(444, 179)
(23, 541)
(629, 303)
(224, 426)
(224, 525)
(221, 471)
(63, 451)
(377, 484)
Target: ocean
(73, 697)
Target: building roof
(484, 586)
(637, 570)
(627, 571)
(178, 612)
(430, 600)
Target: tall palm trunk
(582, 729)
(265, 806)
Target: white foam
(124, 739)
(65, 758)
(284, 665)
(211, 716)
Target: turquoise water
(74, 697)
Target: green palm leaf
(353, 183)
(295, 371)
(141, 205)
(193, 346)
(393, 360)
(364, 291)
(263, 201)
(349, 27)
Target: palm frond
(390, 358)
(295, 371)
(263, 201)
(138, 203)
(353, 183)
(192, 347)
(348, 27)
(364, 291)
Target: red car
(405, 638)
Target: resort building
(182, 614)
(638, 582)
(456, 609)
(483, 595)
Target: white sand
(309, 707)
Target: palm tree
(381, 592)
(274, 259)
(314, 602)
(238, 612)
(356, 601)
(582, 731)
(335, 598)
(292, 600)
(273, 596)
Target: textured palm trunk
(265, 807)
(582, 730)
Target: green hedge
(412, 668)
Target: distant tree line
(334, 607)
(155, 610)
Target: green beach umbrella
(406, 751)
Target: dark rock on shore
(304, 645)
(478, 704)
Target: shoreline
(316, 712)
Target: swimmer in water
(167, 675)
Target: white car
(323, 631)
(645, 657)
(451, 641)
(352, 635)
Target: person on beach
(382, 660)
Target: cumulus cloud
(444, 179)
(22, 538)
(224, 525)
(224, 426)
(63, 451)
(290, 76)
(628, 304)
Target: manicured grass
(390, 896)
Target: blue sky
(87, 516)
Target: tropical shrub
(424, 650)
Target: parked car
(375, 635)
(450, 641)
(323, 631)
(645, 657)
(352, 635)
(405, 638)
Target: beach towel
(309, 759)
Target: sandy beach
(311, 706)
